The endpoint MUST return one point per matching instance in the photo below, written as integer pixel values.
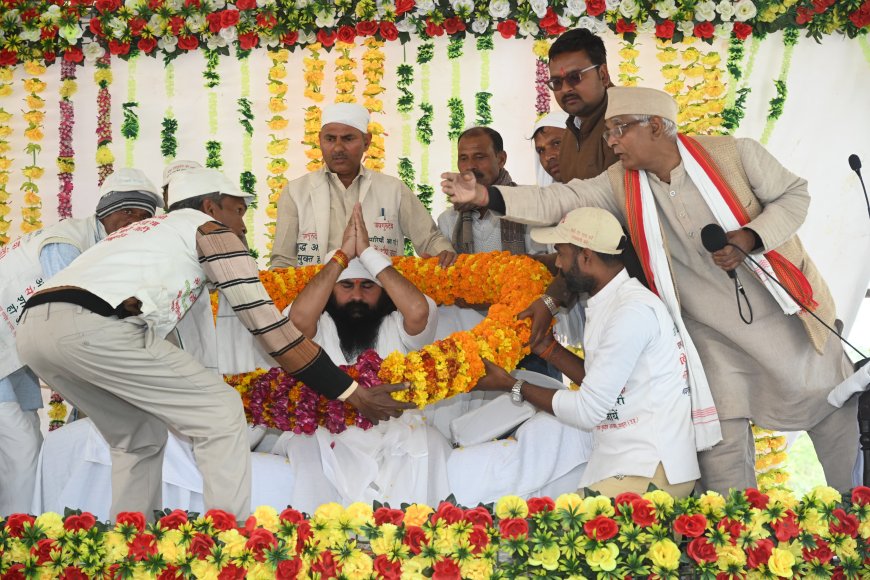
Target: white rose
(264, 3)
(405, 25)
(30, 34)
(117, 26)
(196, 22)
(591, 24)
(722, 31)
(270, 40)
(167, 43)
(53, 12)
(302, 3)
(705, 11)
(229, 33)
(325, 20)
(647, 26)
(725, 10)
(424, 7)
(666, 8)
(528, 28)
(499, 9)
(612, 4)
(629, 8)
(463, 6)
(156, 24)
(480, 25)
(564, 21)
(687, 27)
(575, 8)
(174, 5)
(215, 41)
(306, 37)
(93, 51)
(132, 5)
(539, 7)
(217, 5)
(744, 10)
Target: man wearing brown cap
(777, 371)
(634, 394)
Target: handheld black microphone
(717, 233)
(713, 239)
(855, 164)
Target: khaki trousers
(612, 486)
(133, 386)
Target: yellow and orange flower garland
(345, 77)
(6, 76)
(373, 71)
(697, 87)
(628, 69)
(313, 74)
(276, 147)
(770, 458)
(31, 211)
(447, 367)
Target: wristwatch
(516, 391)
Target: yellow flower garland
(345, 78)
(276, 147)
(31, 211)
(373, 71)
(628, 68)
(6, 76)
(697, 86)
(770, 458)
(313, 75)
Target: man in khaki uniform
(665, 189)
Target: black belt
(78, 297)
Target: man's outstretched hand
(376, 404)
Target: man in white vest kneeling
(96, 334)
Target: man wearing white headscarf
(547, 136)
(314, 209)
(27, 263)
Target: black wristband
(324, 377)
(496, 200)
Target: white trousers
(20, 440)
(132, 386)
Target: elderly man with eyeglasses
(666, 188)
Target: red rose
(188, 42)
(624, 27)
(259, 540)
(448, 512)
(142, 546)
(387, 569)
(704, 30)
(513, 528)
(601, 528)
(385, 515)
(176, 24)
(28, 15)
(550, 23)
(107, 5)
(232, 572)
(700, 550)
(246, 4)
(346, 34)
(540, 504)
(86, 521)
(15, 522)
(72, 573)
(479, 516)
(454, 25)
(48, 33)
(49, 56)
(367, 28)
(214, 22)
(665, 29)
(326, 38)
(290, 38)
(229, 18)
(759, 554)
(433, 29)
(643, 512)
(821, 552)
(291, 515)
(741, 30)
(221, 520)
(786, 528)
(861, 495)
(136, 26)
(201, 546)
(176, 518)
(15, 572)
(303, 534)
(446, 569)
(838, 574)
(478, 538)
(847, 523)
(147, 44)
(389, 31)
(690, 525)
(415, 538)
(155, 4)
(96, 26)
(625, 498)
(861, 17)
(248, 40)
(595, 7)
(403, 6)
(325, 565)
(74, 54)
(135, 519)
(756, 499)
(288, 569)
(733, 527)
(117, 47)
(507, 28)
(42, 550)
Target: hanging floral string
(66, 154)
(345, 77)
(738, 89)
(6, 76)
(405, 104)
(247, 179)
(628, 68)
(130, 124)
(482, 107)
(373, 71)
(313, 74)
(704, 100)
(777, 103)
(277, 147)
(105, 158)
(57, 411)
(770, 458)
(425, 54)
(213, 147)
(456, 123)
(31, 211)
(541, 49)
(168, 142)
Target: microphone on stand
(855, 164)
(713, 239)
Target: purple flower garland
(66, 154)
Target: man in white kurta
(27, 263)
(314, 209)
(776, 371)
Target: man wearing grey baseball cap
(633, 395)
(119, 301)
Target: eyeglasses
(572, 79)
(618, 130)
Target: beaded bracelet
(341, 259)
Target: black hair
(494, 136)
(577, 40)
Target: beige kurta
(767, 371)
(314, 209)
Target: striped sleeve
(229, 266)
